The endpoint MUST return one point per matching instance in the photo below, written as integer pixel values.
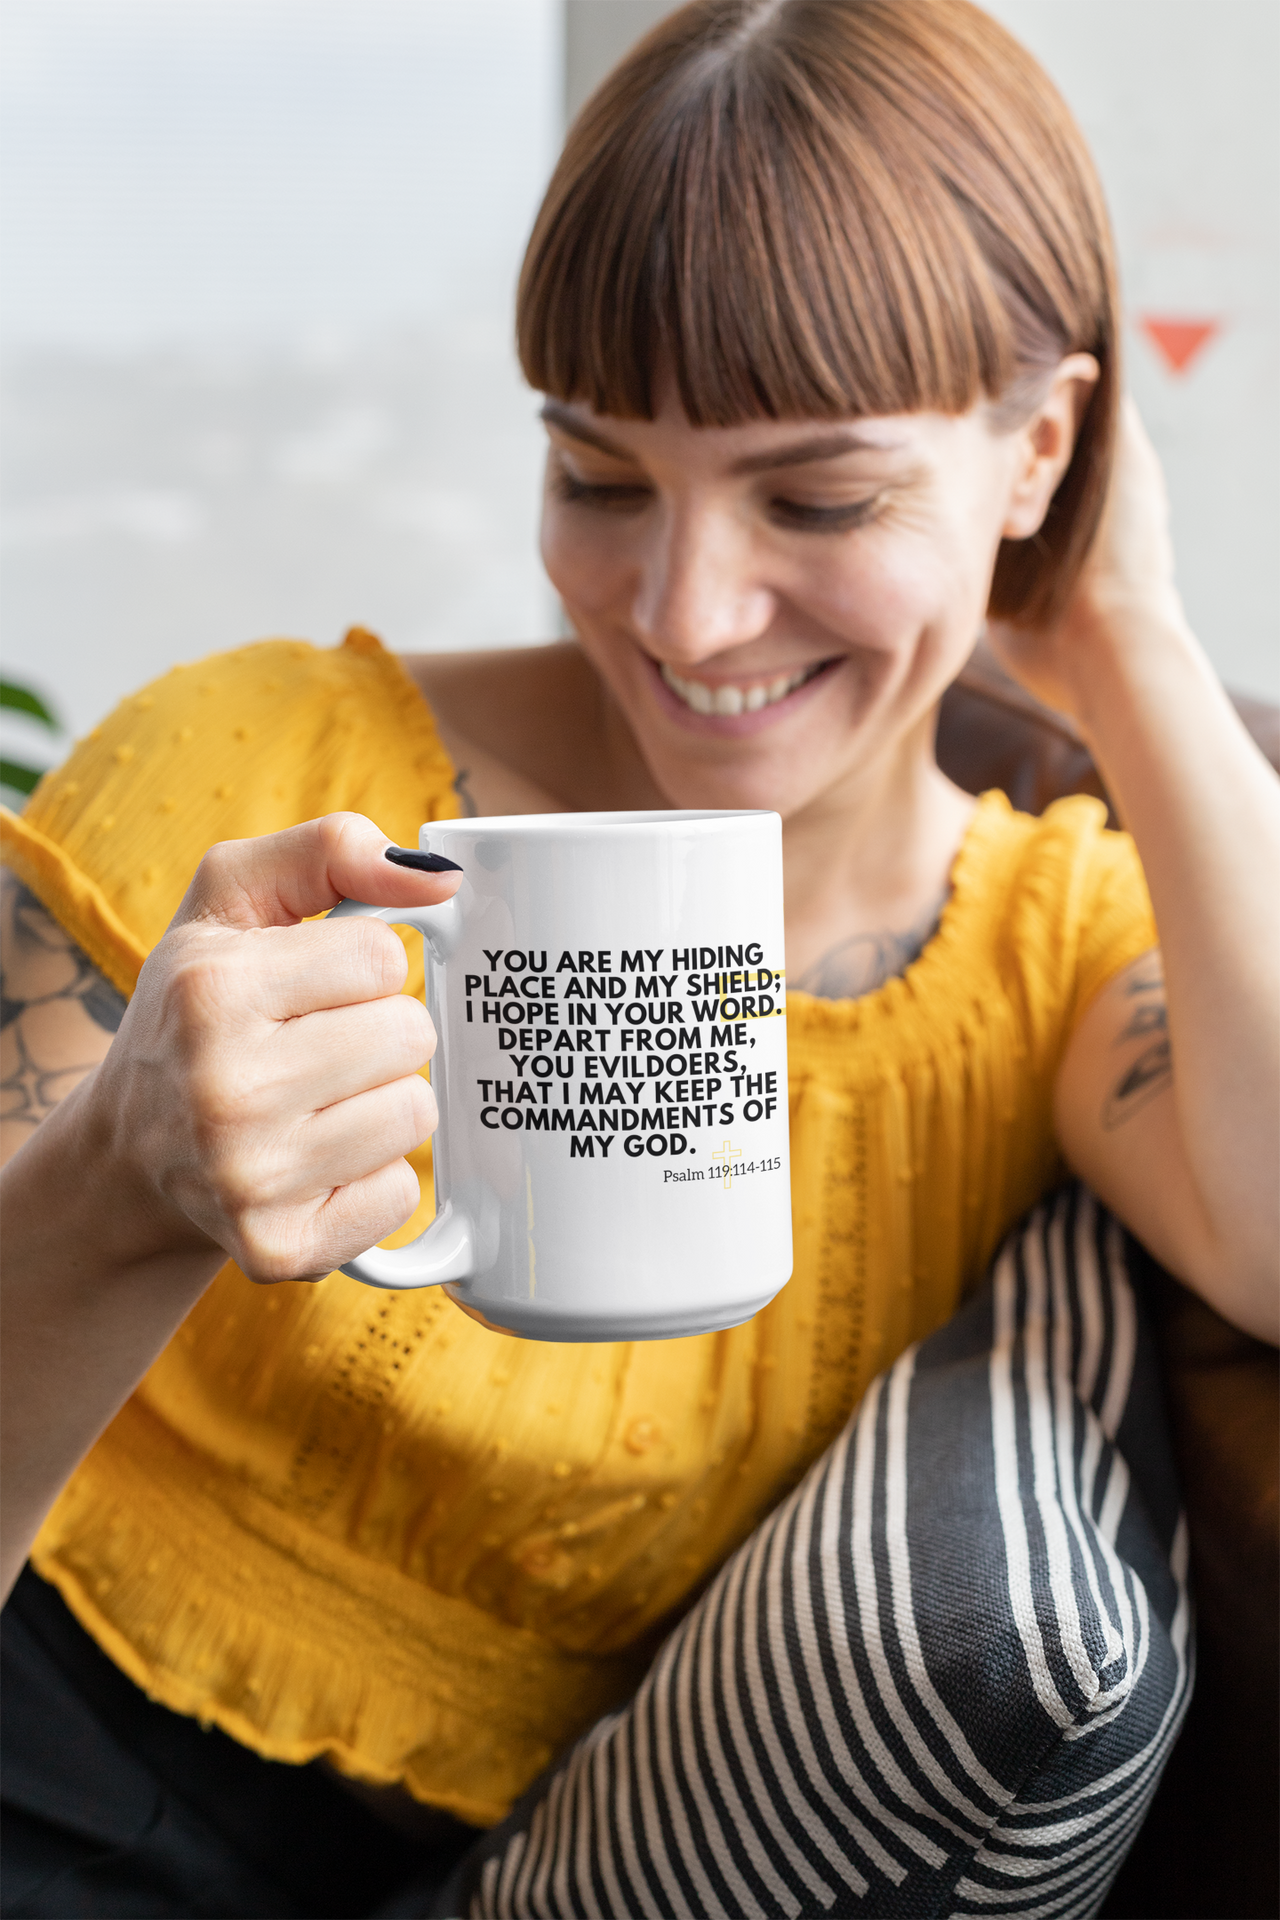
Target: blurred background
(255, 319)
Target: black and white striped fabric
(942, 1678)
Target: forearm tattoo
(57, 1013)
(864, 962)
(1151, 1070)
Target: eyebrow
(821, 446)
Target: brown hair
(813, 208)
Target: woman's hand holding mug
(264, 1086)
(611, 992)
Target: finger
(355, 1217)
(279, 973)
(337, 1053)
(351, 1140)
(288, 1244)
(282, 878)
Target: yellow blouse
(344, 1522)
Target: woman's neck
(867, 869)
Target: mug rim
(635, 821)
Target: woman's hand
(1125, 591)
(257, 1100)
(264, 1086)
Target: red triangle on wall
(1178, 342)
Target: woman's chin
(781, 758)
(782, 771)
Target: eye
(613, 498)
(811, 519)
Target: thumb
(282, 878)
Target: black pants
(115, 1806)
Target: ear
(1044, 444)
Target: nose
(699, 589)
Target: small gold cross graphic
(726, 1155)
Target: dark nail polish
(424, 862)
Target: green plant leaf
(22, 700)
(21, 779)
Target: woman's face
(776, 607)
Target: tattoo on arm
(1151, 1071)
(865, 961)
(1151, 1018)
(470, 811)
(57, 1012)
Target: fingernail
(424, 862)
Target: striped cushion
(942, 1678)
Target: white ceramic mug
(612, 1158)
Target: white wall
(1178, 98)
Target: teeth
(733, 699)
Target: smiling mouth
(732, 699)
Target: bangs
(778, 217)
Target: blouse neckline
(941, 957)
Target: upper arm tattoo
(57, 1012)
(1151, 1070)
(865, 961)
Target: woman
(821, 300)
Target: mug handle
(447, 1250)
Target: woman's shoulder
(275, 712)
(1054, 865)
(240, 744)
(1056, 901)
(1043, 909)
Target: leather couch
(1211, 1843)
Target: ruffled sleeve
(244, 743)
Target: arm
(58, 1014)
(257, 1100)
(71, 1352)
(1167, 1101)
